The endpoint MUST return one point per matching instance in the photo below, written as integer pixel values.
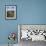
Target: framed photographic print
(10, 12)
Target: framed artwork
(33, 32)
(10, 12)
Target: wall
(33, 12)
(28, 12)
